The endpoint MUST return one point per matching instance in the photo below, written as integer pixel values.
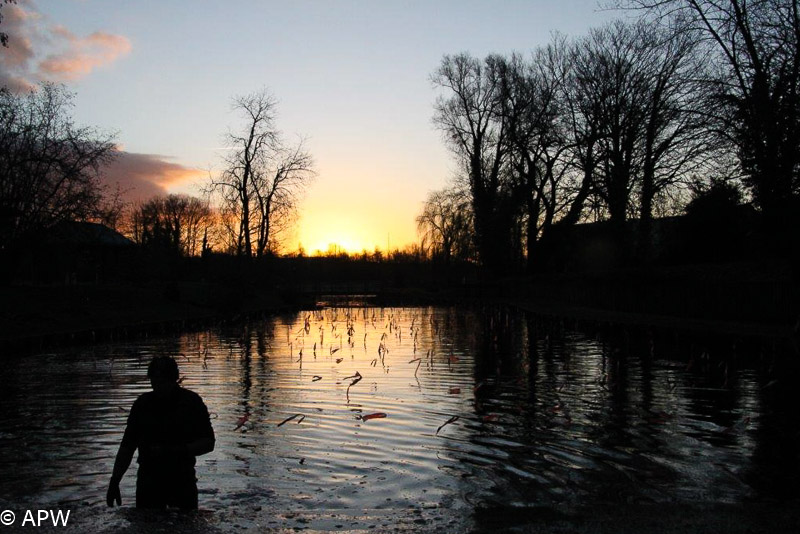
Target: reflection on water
(482, 409)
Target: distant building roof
(86, 233)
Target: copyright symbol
(7, 517)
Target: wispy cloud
(15, 60)
(142, 176)
(83, 54)
(40, 51)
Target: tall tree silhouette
(263, 176)
(470, 114)
(756, 46)
(538, 142)
(49, 168)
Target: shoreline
(40, 318)
(667, 322)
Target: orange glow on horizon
(351, 234)
(315, 242)
(355, 212)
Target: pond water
(482, 409)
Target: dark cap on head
(163, 367)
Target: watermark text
(36, 518)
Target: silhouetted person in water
(170, 426)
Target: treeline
(248, 208)
(635, 120)
(51, 171)
(694, 107)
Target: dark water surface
(499, 411)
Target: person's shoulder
(142, 401)
(144, 398)
(189, 395)
(192, 401)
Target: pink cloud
(21, 26)
(18, 23)
(142, 176)
(16, 84)
(38, 51)
(83, 54)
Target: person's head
(163, 373)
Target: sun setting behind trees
(608, 126)
(604, 127)
(558, 241)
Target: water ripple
(473, 408)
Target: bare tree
(608, 75)
(609, 126)
(756, 49)
(49, 168)
(538, 144)
(228, 228)
(585, 123)
(248, 152)
(638, 130)
(676, 139)
(277, 188)
(470, 114)
(176, 223)
(262, 178)
(198, 221)
(445, 225)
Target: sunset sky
(353, 77)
